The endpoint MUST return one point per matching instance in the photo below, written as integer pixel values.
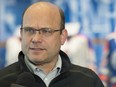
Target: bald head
(46, 12)
(43, 6)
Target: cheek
(25, 42)
(25, 39)
(55, 43)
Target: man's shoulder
(83, 70)
(85, 75)
(9, 75)
(9, 70)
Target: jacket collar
(65, 62)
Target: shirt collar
(32, 67)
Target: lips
(36, 49)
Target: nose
(37, 38)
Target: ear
(64, 35)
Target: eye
(29, 30)
(46, 30)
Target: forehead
(42, 15)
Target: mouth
(37, 49)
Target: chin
(36, 60)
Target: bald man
(41, 63)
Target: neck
(47, 67)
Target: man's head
(43, 32)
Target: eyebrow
(36, 28)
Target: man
(41, 62)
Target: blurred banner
(87, 45)
(96, 19)
(10, 17)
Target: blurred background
(91, 25)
